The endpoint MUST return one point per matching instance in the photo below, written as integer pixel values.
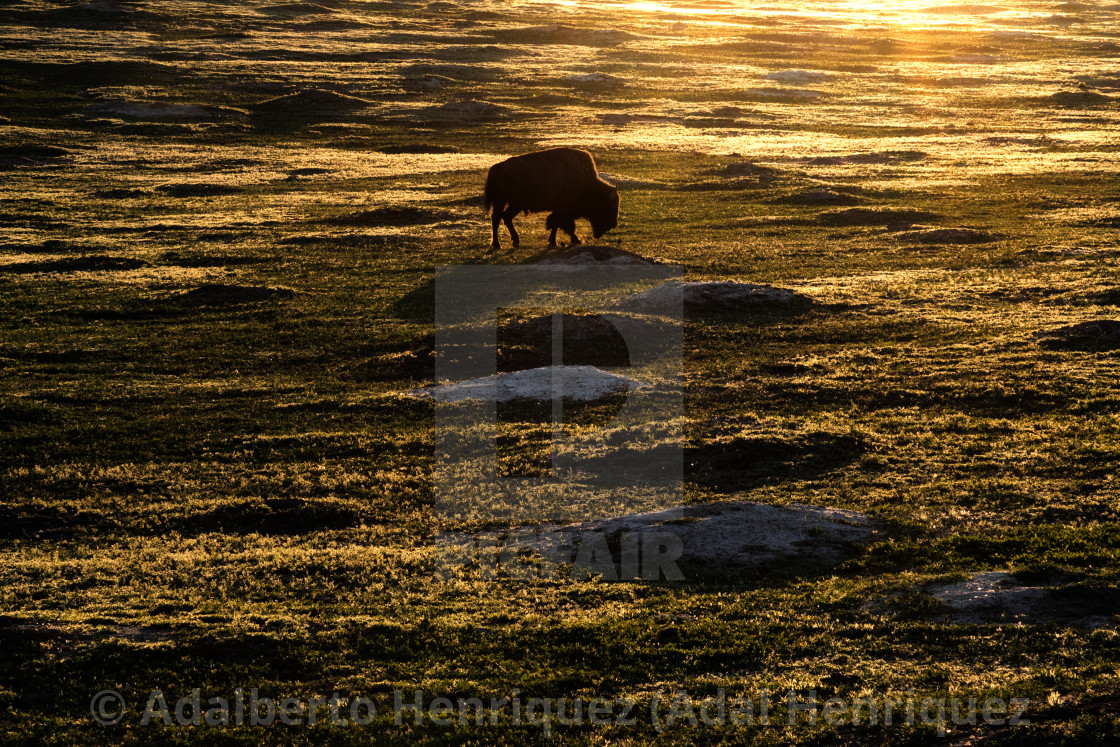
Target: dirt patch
(1100, 334)
(228, 295)
(579, 383)
(714, 296)
(588, 340)
(735, 535)
(589, 254)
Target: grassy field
(226, 488)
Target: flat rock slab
(1099, 334)
(742, 534)
(581, 383)
(590, 254)
(713, 296)
(996, 596)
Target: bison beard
(563, 181)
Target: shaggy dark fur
(563, 181)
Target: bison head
(604, 215)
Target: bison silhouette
(563, 181)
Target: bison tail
(488, 196)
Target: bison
(561, 180)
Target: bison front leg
(567, 224)
(507, 217)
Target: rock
(223, 295)
(581, 383)
(713, 296)
(733, 535)
(948, 236)
(997, 597)
(590, 254)
(588, 340)
(1099, 334)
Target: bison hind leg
(507, 218)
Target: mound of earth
(869, 159)
(997, 596)
(552, 99)
(305, 104)
(472, 109)
(417, 148)
(818, 197)
(746, 168)
(155, 111)
(588, 340)
(873, 216)
(581, 383)
(735, 535)
(297, 9)
(198, 189)
(31, 156)
(1077, 99)
(87, 263)
(428, 82)
(595, 80)
(713, 296)
(1100, 334)
(225, 295)
(392, 216)
(949, 236)
(590, 254)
